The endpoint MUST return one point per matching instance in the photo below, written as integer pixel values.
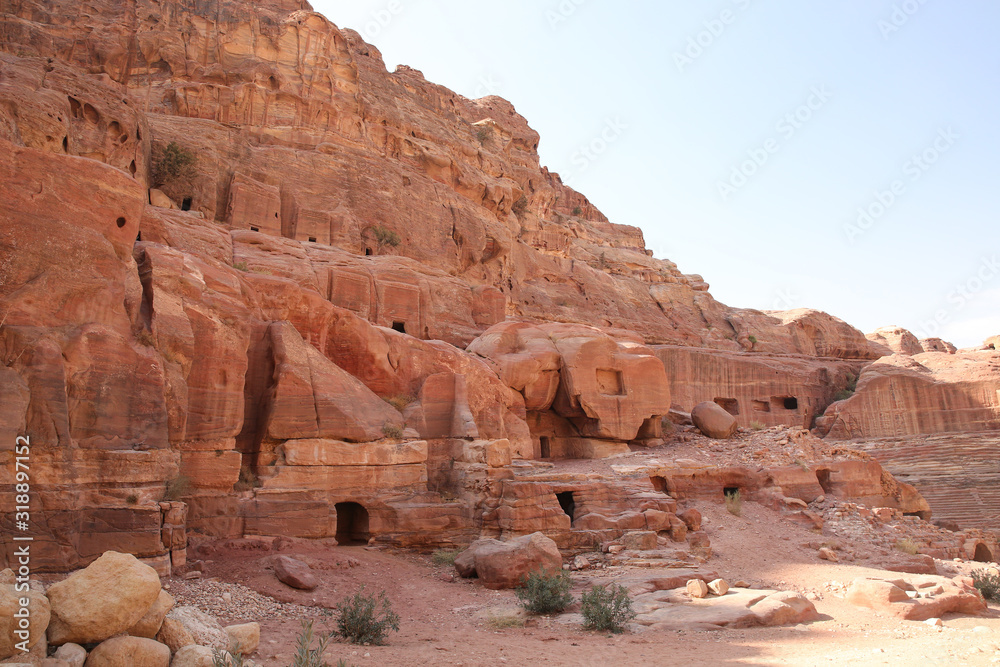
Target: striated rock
(925, 393)
(712, 420)
(897, 339)
(294, 573)
(129, 652)
(691, 518)
(501, 565)
(204, 629)
(106, 598)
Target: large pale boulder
(784, 608)
(712, 420)
(243, 638)
(104, 599)
(204, 629)
(129, 652)
(193, 656)
(174, 634)
(917, 597)
(10, 623)
(506, 564)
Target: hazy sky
(840, 156)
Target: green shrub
(145, 337)
(248, 480)
(484, 133)
(843, 395)
(392, 431)
(908, 546)
(577, 211)
(177, 488)
(305, 654)
(444, 556)
(756, 426)
(131, 499)
(366, 619)
(385, 237)
(607, 608)
(400, 401)
(988, 584)
(545, 593)
(752, 339)
(240, 266)
(504, 622)
(520, 206)
(172, 163)
(734, 503)
(227, 658)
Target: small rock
(719, 587)
(72, 654)
(697, 588)
(193, 574)
(293, 572)
(934, 622)
(828, 554)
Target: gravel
(234, 603)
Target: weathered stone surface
(129, 652)
(106, 598)
(718, 586)
(897, 339)
(784, 608)
(39, 610)
(294, 573)
(712, 420)
(506, 564)
(697, 588)
(73, 655)
(243, 638)
(150, 623)
(941, 596)
(174, 634)
(925, 393)
(193, 656)
(319, 452)
(204, 629)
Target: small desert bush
(843, 395)
(577, 211)
(756, 426)
(172, 163)
(907, 546)
(177, 488)
(520, 206)
(366, 619)
(131, 499)
(226, 658)
(400, 401)
(545, 593)
(734, 503)
(484, 133)
(607, 608)
(248, 480)
(752, 339)
(390, 430)
(145, 337)
(444, 556)
(305, 654)
(504, 622)
(385, 237)
(240, 266)
(987, 583)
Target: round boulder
(712, 420)
(127, 651)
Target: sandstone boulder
(784, 608)
(204, 629)
(917, 597)
(106, 598)
(193, 656)
(129, 652)
(691, 518)
(293, 572)
(718, 586)
(174, 634)
(697, 588)
(150, 623)
(243, 638)
(506, 564)
(712, 420)
(73, 655)
(39, 610)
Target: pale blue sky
(873, 83)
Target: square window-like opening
(254, 229)
(730, 405)
(399, 326)
(544, 446)
(761, 406)
(784, 403)
(610, 382)
(312, 239)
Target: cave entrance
(823, 477)
(399, 326)
(567, 503)
(731, 491)
(545, 447)
(186, 204)
(785, 402)
(983, 554)
(368, 252)
(352, 524)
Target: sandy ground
(443, 620)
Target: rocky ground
(447, 620)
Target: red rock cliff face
(286, 329)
